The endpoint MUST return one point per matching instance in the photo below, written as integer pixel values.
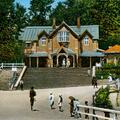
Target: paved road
(14, 105)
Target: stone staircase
(55, 77)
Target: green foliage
(56, 13)
(108, 69)
(102, 98)
(11, 52)
(12, 20)
(105, 13)
(20, 19)
(39, 11)
(71, 9)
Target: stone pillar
(73, 61)
(57, 61)
(29, 61)
(51, 63)
(37, 62)
(90, 62)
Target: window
(28, 45)
(63, 36)
(86, 40)
(43, 41)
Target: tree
(10, 49)
(71, 9)
(20, 19)
(39, 11)
(105, 13)
(56, 13)
(6, 22)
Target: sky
(26, 3)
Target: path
(14, 105)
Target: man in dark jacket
(32, 94)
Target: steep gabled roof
(43, 33)
(85, 33)
(31, 33)
(114, 49)
(60, 27)
(63, 49)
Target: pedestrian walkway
(15, 105)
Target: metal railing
(7, 65)
(113, 112)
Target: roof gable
(30, 33)
(86, 33)
(43, 33)
(60, 27)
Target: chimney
(54, 23)
(78, 22)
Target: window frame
(63, 36)
(86, 40)
(28, 45)
(42, 41)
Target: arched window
(42, 41)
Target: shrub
(102, 98)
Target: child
(86, 110)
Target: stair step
(56, 77)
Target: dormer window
(28, 45)
(43, 41)
(63, 36)
(86, 40)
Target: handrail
(19, 78)
(100, 109)
(114, 112)
(98, 116)
(2, 65)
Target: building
(112, 55)
(63, 45)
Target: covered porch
(38, 59)
(90, 58)
(64, 57)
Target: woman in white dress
(51, 100)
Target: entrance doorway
(62, 61)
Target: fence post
(114, 116)
(118, 82)
(93, 105)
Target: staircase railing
(20, 77)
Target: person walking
(94, 82)
(71, 105)
(110, 79)
(21, 84)
(51, 100)
(86, 110)
(60, 103)
(32, 94)
(76, 109)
